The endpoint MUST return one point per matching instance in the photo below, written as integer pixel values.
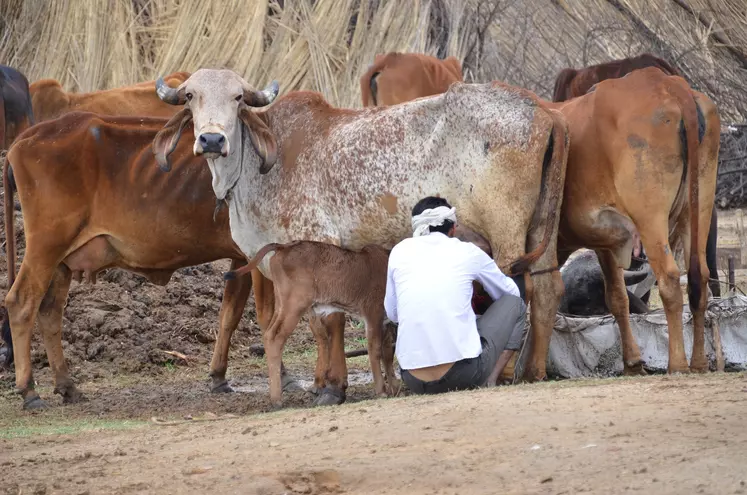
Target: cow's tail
(563, 84)
(368, 82)
(551, 189)
(690, 143)
(2, 123)
(233, 274)
(10, 248)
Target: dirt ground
(681, 434)
(668, 434)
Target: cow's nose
(212, 142)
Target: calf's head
(218, 102)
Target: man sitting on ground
(441, 346)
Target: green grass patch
(28, 427)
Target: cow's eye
(238, 98)
(189, 96)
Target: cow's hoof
(276, 406)
(314, 390)
(290, 384)
(634, 369)
(34, 404)
(678, 370)
(221, 388)
(330, 397)
(699, 366)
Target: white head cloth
(432, 217)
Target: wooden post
(732, 285)
(742, 235)
(720, 362)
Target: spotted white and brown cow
(305, 170)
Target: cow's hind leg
(667, 273)
(235, 296)
(616, 297)
(374, 336)
(22, 302)
(697, 283)
(50, 325)
(545, 291)
(387, 356)
(336, 380)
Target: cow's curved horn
(170, 95)
(255, 98)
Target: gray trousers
(501, 328)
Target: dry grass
(326, 45)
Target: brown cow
(50, 101)
(72, 173)
(572, 83)
(644, 153)
(327, 279)
(489, 148)
(141, 99)
(399, 77)
(15, 105)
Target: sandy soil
(662, 434)
(659, 434)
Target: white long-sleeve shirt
(429, 293)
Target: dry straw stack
(325, 45)
(96, 44)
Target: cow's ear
(167, 138)
(262, 139)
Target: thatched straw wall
(325, 45)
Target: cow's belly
(144, 255)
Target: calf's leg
(336, 381)
(321, 335)
(277, 333)
(235, 295)
(264, 301)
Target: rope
(710, 279)
(546, 270)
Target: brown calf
(395, 78)
(326, 279)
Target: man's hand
(503, 360)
